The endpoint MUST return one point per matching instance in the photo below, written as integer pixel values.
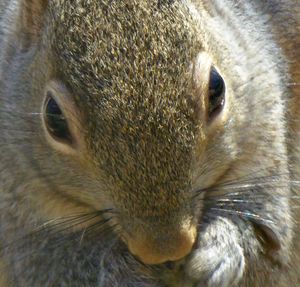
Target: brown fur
(132, 80)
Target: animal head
(142, 104)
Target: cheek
(213, 160)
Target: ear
(31, 22)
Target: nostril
(163, 249)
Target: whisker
(243, 214)
(74, 217)
(66, 219)
(271, 178)
(69, 226)
(34, 114)
(257, 76)
(53, 227)
(246, 186)
(247, 178)
(42, 241)
(82, 235)
(102, 230)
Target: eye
(216, 93)
(55, 120)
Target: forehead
(131, 61)
(106, 41)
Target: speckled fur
(128, 68)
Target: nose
(157, 250)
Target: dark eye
(55, 121)
(216, 93)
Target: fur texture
(147, 163)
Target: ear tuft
(31, 20)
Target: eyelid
(73, 115)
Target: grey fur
(146, 160)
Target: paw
(218, 260)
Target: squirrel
(149, 143)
